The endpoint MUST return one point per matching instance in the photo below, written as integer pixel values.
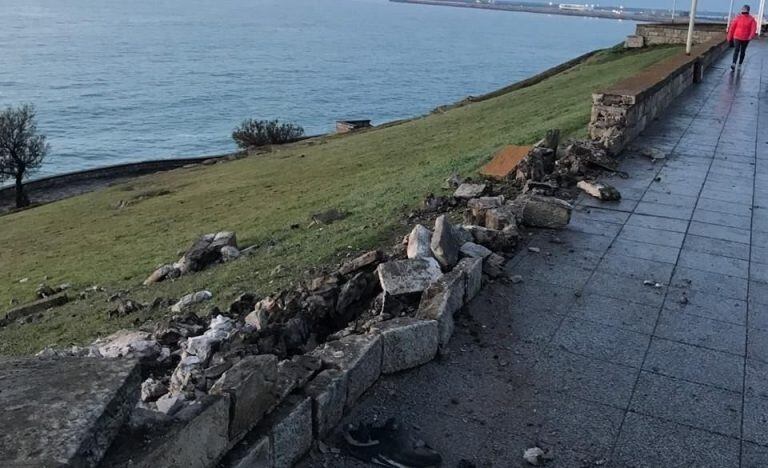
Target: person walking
(742, 30)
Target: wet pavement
(586, 360)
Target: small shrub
(265, 132)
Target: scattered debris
(204, 252)
(435, 204)
(599, 190)
(328, 216)
(515, 279)
(125, 307)
(453, 181)
(654, 154)
(128, 343)
(191, 299)
(653, 283)
(534, 249)
(152, 389)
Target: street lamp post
(674, 7)
(760, 14)
(691, 21)
(730, 17)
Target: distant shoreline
(547, 10)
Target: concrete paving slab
(700, 406)
(63, 412)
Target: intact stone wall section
(658, 34)
(620, 114)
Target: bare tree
(22, 148)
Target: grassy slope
(376, 176)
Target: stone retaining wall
(668, 33)
(621, 112)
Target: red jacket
(743, 28)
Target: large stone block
(541, 211)
(359, 356)
(63, 412)
(329, 395)
(408, 276)
(406, 342)
(251, 385)
(291, 432)
(466, 191)
(472, 250)
(473, 276)
(445, 243)
(197, 438)
(441, 301)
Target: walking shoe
(389, 445)
(733, 66)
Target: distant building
(576, 7)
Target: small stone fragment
(191, 299)
(534, 249)
(152, 389)
(467, 191)
(534, 456)
(599, 190)
(499, 218)
(516, 279)
(493, 266)
(653, 153)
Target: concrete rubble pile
(550, 167)
(206, 251)
(255, 384)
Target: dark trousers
(739, 49)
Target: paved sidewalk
(585, 359)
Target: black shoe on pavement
(389, 445)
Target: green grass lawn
(376, 176)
